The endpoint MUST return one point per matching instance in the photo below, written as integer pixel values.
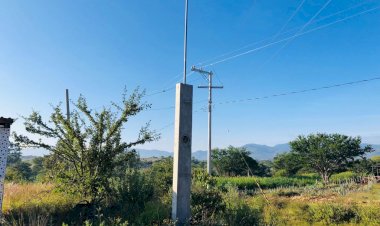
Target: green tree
(89, 149)
(328, 153)
(17, 170)
(14, 155)
(234, 161)
(161, 174)
(362, 166)
(290, 162)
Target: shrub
(238, 211)
(249, 183)
(344, 176)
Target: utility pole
(67, 105)
(209, 87)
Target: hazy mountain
(200, 155)
(153, 153)
(264, 152)
(376, 147)
(258, 151)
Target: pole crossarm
(200, 70)
(212, 87)
(209, 87)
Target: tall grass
(35, 203)
(249, 183)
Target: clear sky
(95, 48)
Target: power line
(176, 78)
(287, 94)
(302, 91)
(290, 19)
(288, 38)
(283, 94)
(203, 63)
(298, 32)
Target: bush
(249, 183)
(238, 211)
(281, 173)
(206, 199)
(344, 176)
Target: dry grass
(29, 195)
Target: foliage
(89, 150)
(14, 154)
(289, 163)
(234, 161)
(249, 183)
(161, 175)
(238, 211)
(132, 191)
(328, 153)
(347, 175)
(17, 170)
(206, 200)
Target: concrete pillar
(5, 124)
(182, 154)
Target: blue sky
(95, 48)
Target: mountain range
(258, 151)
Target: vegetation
(89, 156)
(327, 154)
(93, 177)
(236, 162)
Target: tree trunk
(325, 177)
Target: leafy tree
(288, 161)
(17, 170)
(234, 161)
(362, 167)
(89, 150)
(38, 167)
(161, 174)
(14, 155)
(328, 153)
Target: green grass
(249, 183)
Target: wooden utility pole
(209, 87)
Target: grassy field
(346, 204)
(249, 183)
(36, 201)
(355, 208)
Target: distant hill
(264, 152)
(153, 153)
(28, 157)
(376, 147)
(258, 151)
(200, 155)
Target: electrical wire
(200, 64)
(177, 77)
(291, 37)
(299, 31)
(302, 91)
